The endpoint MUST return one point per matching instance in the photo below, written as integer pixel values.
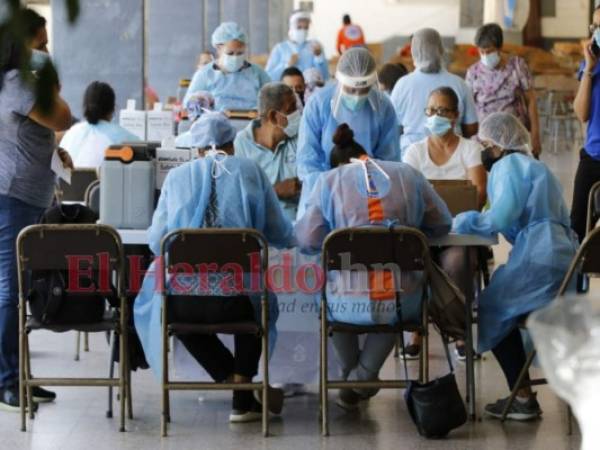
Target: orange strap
(381, 285)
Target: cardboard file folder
(459, 195)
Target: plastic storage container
(127, 186)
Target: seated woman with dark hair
(86, 141)
(360, 191)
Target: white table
(296, 355)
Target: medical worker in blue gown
(355, 100)
(298, 51)
(213, 192)
(364, 191)
(527, 207)
(231, 79)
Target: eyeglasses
(441, 111)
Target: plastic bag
(567, 337)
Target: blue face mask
(38, 59)
(597, 36)
(354, 102)
(491, 60)
(438, 125)
(232, 63)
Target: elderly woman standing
(503, 83)
(411, 93)
(231, 79)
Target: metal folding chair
(75, 192)
(91, 199)
(587, 262)
(405, 248)
(46, 248)
(221, 247)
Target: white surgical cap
(228, 31)
(505, 131)
(356, 68)
(298, 15)
(427, 50)
(212, 128)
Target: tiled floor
(77, 419)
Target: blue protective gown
(245, 199)
(282, 52)
(376, 131)
(339, 200)
(237, 90)
(527, 207)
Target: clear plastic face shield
(352, 94)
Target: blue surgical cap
(228, 31)
(212, 128)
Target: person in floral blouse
(503, 83)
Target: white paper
(167, 159)
(57, 167)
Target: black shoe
(9, 400)
(529, 410)
(461, 353)
(412, 351)
(252, 413)
(41, 395)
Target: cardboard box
(459, 195)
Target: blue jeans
(14, 216)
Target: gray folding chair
(371, 248)
(222, 247)
(46, 248)
(586, 262)
(75, 192)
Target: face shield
(352, 94)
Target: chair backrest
(68, 247)
(367, 247)
(92, 196)
(80, 180)
(586, 260)
(593, 207)
(221, 246)
(459, 195)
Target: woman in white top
(446, 156)
(86, 141)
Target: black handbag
(436, 407)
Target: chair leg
(397, 347)
(28, 376)
(165, 380)
(129, 397)
(22, 376)
(324, 375)
(265, 388)
(518, 384)
(86, 342)
(122, 376)
(569, 420)
(447, 352)
(111, 374)
(77, 345)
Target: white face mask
(232, 63)
(298, 35)
(491, 60)
(293, 123)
